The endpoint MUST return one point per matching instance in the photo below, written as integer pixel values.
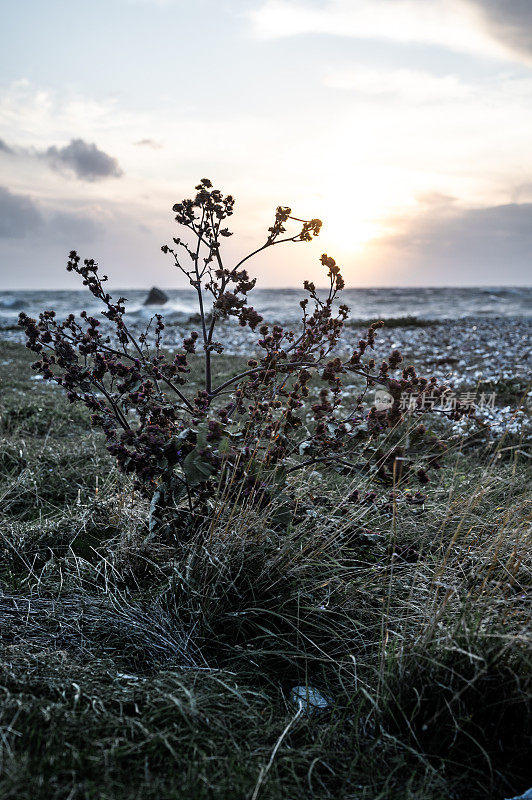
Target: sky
(405, 125)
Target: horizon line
(147, 287)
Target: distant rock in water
(156, 297)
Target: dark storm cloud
(510, 21)
(19, 216)
(446, 241)
(87, 161)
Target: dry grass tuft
(143, 667)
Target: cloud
(456, 25)
(510, 21)
(149, 143)
(444, 240)
(19, 216)
(413, 86)
(87, 161)
(522, 192)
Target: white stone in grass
(526, 796)
(309, 700)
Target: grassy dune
(141, 668)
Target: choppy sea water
(476, 334)
(282, 305)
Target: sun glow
(351, 229)
(353, 211)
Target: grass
(135, 667)
(395, 322)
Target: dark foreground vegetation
(131, 669)
(230, 529)
(298, 402)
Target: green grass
(136, 667)
(395, 322)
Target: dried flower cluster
(258, 426)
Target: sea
(470, 335)
(282, 305)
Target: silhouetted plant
(251, 431)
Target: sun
(353, 211)
(350, 230)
